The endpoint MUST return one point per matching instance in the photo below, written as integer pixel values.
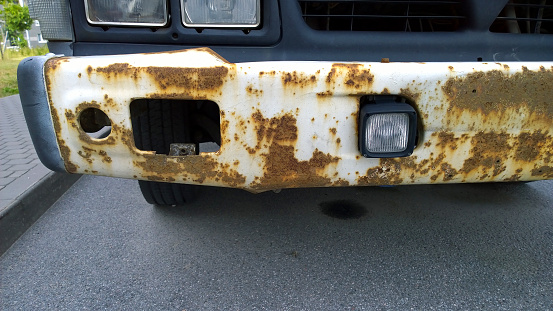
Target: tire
(159, 124)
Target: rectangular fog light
(387, 130)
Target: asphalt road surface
(440, 247)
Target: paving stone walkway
(20, 167)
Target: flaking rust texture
(276, 143)
(482, 100)
(516, 101)
(354, 76)
(493, 125)
(495, 92)
(183, 83)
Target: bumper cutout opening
(159, 123)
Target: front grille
(382, 15)
(525, 17)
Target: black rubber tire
(158, 125)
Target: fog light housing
(387, 130)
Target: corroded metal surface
(288, 124)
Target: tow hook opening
(176, 127)
(94, 121)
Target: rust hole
(94, 122)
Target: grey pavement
(27, 188)
(429, 247)
(20, 166)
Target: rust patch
(281, 167)
(515, 177)
(64, 149)
(53, 63)
(117, 69)
(201, 167)
(543, 171)
(69, 114)
(333, 131)
(191, 78)
(412, 96)
(278, 128)
(324, 94)
(185, 79)
(446, 139)
(496, 91)
(355, 75)
(298, 79)
(488, 153)
(385, 60)
(530, 145)
(253, 91)
(269, 73)
(105, 157)
(330, 76)
(387, 173)
(449, 172)
(341, 183)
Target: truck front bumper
(295, 124)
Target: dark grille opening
(381, 15)
(524, 17)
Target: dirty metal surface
(295, 124)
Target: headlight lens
(221, 13)
(127, 12)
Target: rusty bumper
(295, 124)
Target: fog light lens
(126, 12)
(387, 130)
(221, 13)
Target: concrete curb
(22, 213)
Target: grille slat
(381, 15)
(525, 17)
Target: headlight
(126, 12)
(221, 13)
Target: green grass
(8, 68)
